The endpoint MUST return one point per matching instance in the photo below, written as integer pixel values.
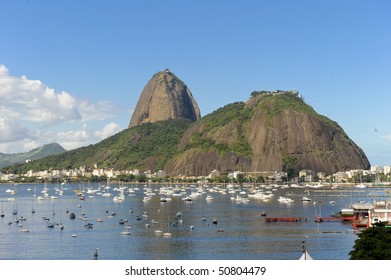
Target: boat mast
(304, 248)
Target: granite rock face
(165, 97)
(266, 133)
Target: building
(161, 174)
(306, 175)
(214, 174)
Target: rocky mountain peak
(165, 97)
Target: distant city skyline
(71, 72)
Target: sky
(72, 71)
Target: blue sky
(72, 71)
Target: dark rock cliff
(165, 97)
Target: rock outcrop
(267, 133)
(165, 97)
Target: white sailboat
(126, 231)
(168, 233)
(2, 212)
(305, 256)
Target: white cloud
(108, 130)
(36, 102)
(31, 114)
(99, 111)
(11, 131)
(84, 136)
(387, 137)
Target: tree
(373, 243)
(290, 165)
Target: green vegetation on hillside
(137, 147)
(45, 150)
(273, 105)
(151, 146)
(230, 119)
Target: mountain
(45, 150)
(165, 97)
(272, 131)
(145, 147)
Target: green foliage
(290, 165)
(261, 92)
(45, 150)
(235, 114)
(273, 105)
(129, 149)
(373, 243)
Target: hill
(270, 132)
(145, 147)
(45, 150)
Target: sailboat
(2, 212)
(168, 233)
(305, 256)
(15, 209)
(126, 231)
(61, 226)
(32, 206)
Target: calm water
(241, 231)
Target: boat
(2, 212)
(126, 232)
(361, 186)
(284, 199)
(88, 225)
(306, 198)
(305, 256)
(168, 233)
(380, 213)
(14, 212)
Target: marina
(193, 221)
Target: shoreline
(324, 186)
